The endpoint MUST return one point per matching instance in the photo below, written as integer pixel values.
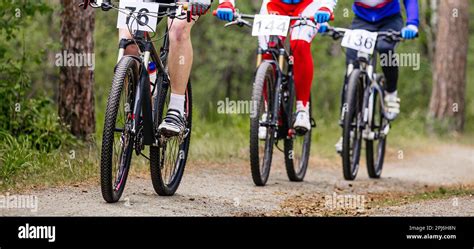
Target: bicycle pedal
(386, 130)
(291, 134)
(184, 134)
(166, 135)
(313, 123)
(164, 139)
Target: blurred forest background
(36, 147)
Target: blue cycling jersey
(292, 1)
(376, 10)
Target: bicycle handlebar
(338, 33)
(239, 19)
(247, 16)
(107, 5)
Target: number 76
(142, 18)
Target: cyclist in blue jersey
(384, 15)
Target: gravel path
(227, 190)
(456, 206)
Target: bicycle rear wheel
(167, 162)
(375, 148)
(297, 148)
(352, 130)
(117, 140)
(261, 151)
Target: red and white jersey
(329, 4)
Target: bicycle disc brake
(139, 146)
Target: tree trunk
(447, 105)
(76, 84)
(429, 24)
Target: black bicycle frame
(143, 119)
(142, 113)
(278, 53)
(368, 87)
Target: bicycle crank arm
(268, 124)
(369, 135)
(313, 123)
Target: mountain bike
(136, 106)
(363, 114)
(274, 103)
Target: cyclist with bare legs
(180, 61)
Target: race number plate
(134, 15)
(360, 40)
(271, 25)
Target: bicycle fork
(370, 89)
(369, 112)
(277, 95)
(142, 120)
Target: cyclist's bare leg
(180, 61)
(180, 58)
(131, 49)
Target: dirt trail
(227, 190)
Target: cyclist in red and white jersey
(300, 42)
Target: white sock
(301, 107)
(394, 94)
(177, 102)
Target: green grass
(23, 167)
(220, 141)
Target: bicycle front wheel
(297, 148)
(375, 146)
(168, 160)
(117, 140)
(261, 148)
(352, 130)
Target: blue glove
(409, 32)
(322, 16)
(323, 28)
(225, 12)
